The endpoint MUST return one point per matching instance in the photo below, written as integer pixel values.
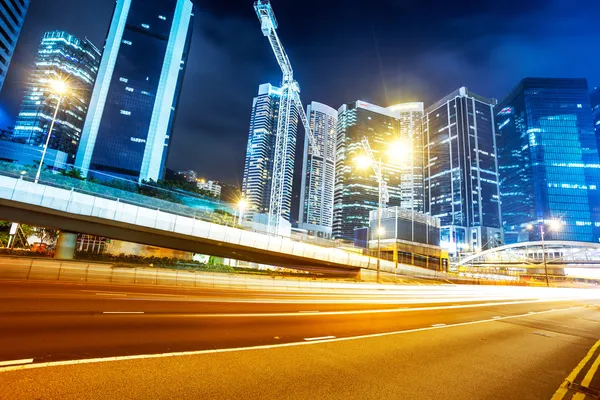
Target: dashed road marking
(310, 339)
(122, 312)
(16, 362)
(325, 339)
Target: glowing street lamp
(554, 225)
(398, 151)
(362, 162)
(241, 207)
(59, 88)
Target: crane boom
(385, 195)
(268, 24)
(290, 97)
(309, 133)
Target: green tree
(46, 235)
(73, 173)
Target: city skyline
(214, 37)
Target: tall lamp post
(395, 151)
(554, 225)
(240, 211)
(59, 88)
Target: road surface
(443, 342)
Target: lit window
(125, 112)
(127, 42)
(129, 89)
(124, 80)
(162, 17)
(146, 26)
(579, 105)
(146, 93)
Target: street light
(398, 151)
(395, 151)
(241, 207)
(59, 87)
(555, 226)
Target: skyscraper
(595, 100)
(549, 164)
(411, 134)
(258, 168)
(64, 57)
(461, 171)
(356, 191)
(12, 15)
(318, 172)
(132, 111)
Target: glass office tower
(461, 171)
(356, 191)
(595, 100)
(12, 16)
(129, 126)
(549, 163)
(65, 57)
(258, 167)
(318, 172)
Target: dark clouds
(383, 51)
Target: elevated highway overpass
(71, 210)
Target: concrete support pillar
(65, 246)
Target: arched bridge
(560, 254)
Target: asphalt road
(459, 343)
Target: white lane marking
(263, 347)
(438, 325)
(352, 312)
(304, 312)
(122, 312)
(501, 317)
(310, 339)
(531, 312)
(16, 362)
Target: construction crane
(290, 97)
(384, 194)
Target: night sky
(381, 51)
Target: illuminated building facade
(61, 56)
(212, 187)
(461, 171)
(258, 167)
(549, 164)
(12, 15)
(129, 127)
(411, 135)
(356, 191)
(595, 100)
(318, 173)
